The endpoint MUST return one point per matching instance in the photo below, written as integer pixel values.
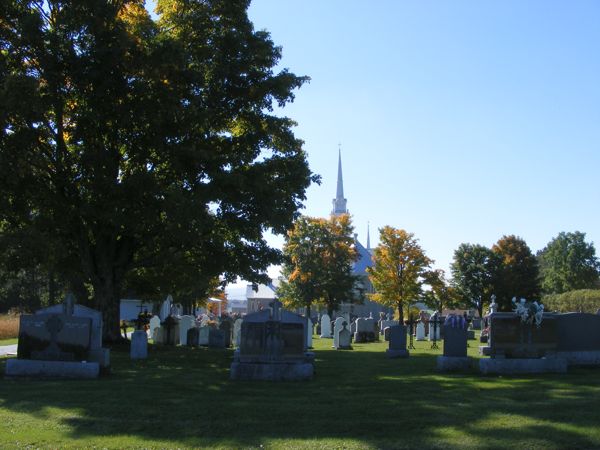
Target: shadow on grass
(184, 397)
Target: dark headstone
(512, 338)
(54, 337)
(193, 337)
(227, 327)
(216, 338)
(578, 332)
(397, 345)
(455, 341)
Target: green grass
(10, 341)
(182, 398)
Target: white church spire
(339, 202)
(368, 237)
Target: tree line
(402, 274)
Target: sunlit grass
(359, 399)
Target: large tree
(568, 263)
(400, 268)
(130, 142)
(473, 274)
(318, 259)
(517, 274)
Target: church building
(365, 256)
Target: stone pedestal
(515, 366)
(139, 345)
(452, 363)
(51, 369)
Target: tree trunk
(107, 299)
(400, 314)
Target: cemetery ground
(182, 397)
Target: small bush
(582, 300)
(9, 326)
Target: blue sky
(459, 121)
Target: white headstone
(325, 326)
(237, 332)
(153, 325)
(203, 335)
(165, 308)
(185, 323)
(204, 320)
(309, 333)
(337, 327)
(420, 333)
(344, 338)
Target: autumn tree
(474, 268)
(441, 293)
(318, 258)
(568, 263)
(399, 269)
(517, 274)
(130, 142)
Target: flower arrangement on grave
(529, 312)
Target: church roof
(364, 259)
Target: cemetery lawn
(182, 397)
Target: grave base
(401, 353)
(326, 337)
(274, 371)
(450, 363)
(485, 350)
(348, 347)
(581, 358)
(51, 369)
(471, 334)
(510, 366)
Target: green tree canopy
(441, 294)
(568, 263)
(473, 272)
(318, 258)
(517, 274)
(130, 142)
(399, 269)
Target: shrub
(582, 300)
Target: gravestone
(165, 308)
(193, 337)
(386, 334)
(420, 331)
(435, 326)
(273, 347)
(344, 337)
(60, 341)
(309, 333)
(476, 323)
(237, 332)
(226, 327)
(153, 325)
(579, 338)
(455, 345)
(185, 323)
(365, 331)
(397, 345)
(337, 327)
(387, 323)
(353, 327)
(168, 332)
(139, 345)
(516, 347)
(203, 336)
(325, 326)
(216, 338)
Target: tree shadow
(184, 397)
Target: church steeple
(339, 202)
(368, 237)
